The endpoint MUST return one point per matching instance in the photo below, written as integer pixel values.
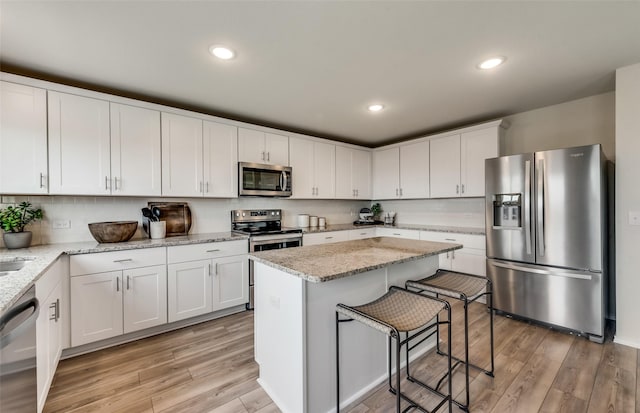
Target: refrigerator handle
(540, 208)
(527, 206)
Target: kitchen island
(296, 291)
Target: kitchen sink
(10, 265)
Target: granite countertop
(41, 257)
(416, 227)
(325, 262)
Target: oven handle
(270, 239)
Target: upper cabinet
(135, 151)
(23, 139)
(457, 162)
(313, 166)
(79, 147)
(199, 158)
(402, 171)
(353, 173)
(262, 147)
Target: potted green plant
(376, 210)
(13, 219)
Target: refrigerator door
(569, 208)
(509, 211)
(565, 298)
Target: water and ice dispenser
(507, 211)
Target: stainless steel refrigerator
(546, 237)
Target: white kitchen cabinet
(49, 328)
(199, 158)
(362, 233)
(23, 139)
(324, 237)
(79, 145)
(414, 170)
(206, 277)
(353, 173)
(457, 162)
(262, 147)
(397, 233)
(118, 292)
(135, 151)
(471, 259)
(386, 173)
(314, 166)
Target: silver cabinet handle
(201, 186)
(395, 233)
(447, 254)
(106, 182)
(216, 272)
(263, 155)
(457, 189)
(52, 317)
(397, 192)
(354, 192)
(217, 250)
(449, 239)
(357, 192)
(124, 260)
(128, 282)
(57, 309)
(268, 156)
(42, 185)
(453, 255)
(210, 269)
(115, 183)
(207, 191)
(463, 188)
(118, 284)
(328, 237)
(400, 191)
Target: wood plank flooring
(210, 368)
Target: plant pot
(13, 240)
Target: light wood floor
(210, 368)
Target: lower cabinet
(114, 293)
(362, 233)
(49, 328)
(209, 284)
(471, 259)
(324, 237)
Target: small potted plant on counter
(13, 219)
(376, 210)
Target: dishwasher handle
(9, 333)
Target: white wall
(627, 199)
(208, 215)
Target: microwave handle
(283, 181)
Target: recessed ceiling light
(375, 107)
(222, 52)
(491, 63)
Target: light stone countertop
(416, 227)
(13, 285)
(326, 262)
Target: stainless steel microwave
(255, 179)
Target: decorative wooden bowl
(116, 231)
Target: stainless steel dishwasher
(18, 380)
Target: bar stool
(398, 311)
(466, 288)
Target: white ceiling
(314, 66)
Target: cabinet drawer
(397, 233)
(193, 252)
(325, 237)
(362, 233)
(116, 260)
(467, 240)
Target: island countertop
(325, 262)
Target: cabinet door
(182, 173)
(475, 147)
(135, 151)
(145, 297)
(445, 167)
(189, 289)
(361, 173)
(302, 162)
(23, 139)
(230, 282)
(48, 341)
(251, 146)
(343, 175)
(470, 261)
(277, 149)
(79, 145)
(414, 170)
(220, 160)
(386, 174)
(324, 167)
(96, 307)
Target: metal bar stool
(466, 288)
(398, 311)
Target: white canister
(313, 221)
(322, 221)
(303, 221)
(158, 229)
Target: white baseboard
(627, 342)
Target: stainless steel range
(266, 232)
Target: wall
(209, 215)
(627, 199)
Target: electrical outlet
(61, 224)
(634, 217)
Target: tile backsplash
(212, 215)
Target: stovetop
(267, 231)
(259, 222)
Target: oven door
(263, 180)
(269, 242)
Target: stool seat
(452, 284)
(398, 310)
